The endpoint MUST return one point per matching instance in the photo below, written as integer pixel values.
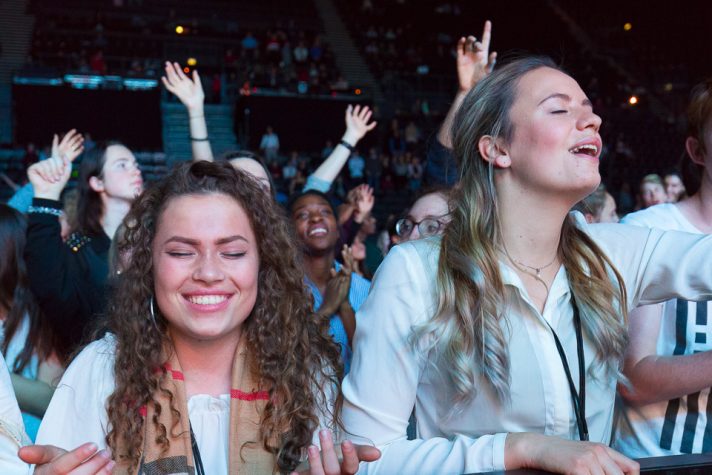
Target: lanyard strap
(199, 470)
(577, 397)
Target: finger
(55, 142)
(349, 465)
(168, 85)
(357, 110)
(371, 126)
(196, 78)
(367, 453)
(108, 468)
(97, 464)
(328, 454)
(367, 117)
(486, 35)
(39, 454)
(315, 467)
(627, 465)
(491, 61)
(179, 72)
(171, 72)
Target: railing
(698, 464)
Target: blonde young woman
(506, 334)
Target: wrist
(519, 450)
(350, 137)
(196, 112)
(48, 194)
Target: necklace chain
(537, 270)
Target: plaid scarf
(246, 405)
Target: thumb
(367, 453)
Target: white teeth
(207, 299)
(317, 231)
(585, 147)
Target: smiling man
(317, 230)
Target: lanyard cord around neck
(577, 397)
(197, 460)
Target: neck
(698, 208)
(115, 211)
(318, 266)
(206, 364)
(531, 235)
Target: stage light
(192, 62)
(179, 30)
(668, 87)
(186, 70)
(628, 26)
(633, 100)
(357, 92)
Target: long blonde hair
(468, 328)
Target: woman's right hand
(189, 92)
(49, 177)
(84, 460)
(554, 454)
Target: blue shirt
(22, 199)
(357, 295)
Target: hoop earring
(152, 312)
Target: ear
(694, 150)
(492, 151)
(589, 218)
(96, 184)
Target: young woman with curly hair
(214, 362)
(506, 334)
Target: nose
(414, 234)
(208, 269)
(588, 120)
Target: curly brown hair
(292, 352)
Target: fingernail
(324, 433)
(313, 450)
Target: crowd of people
(198, 325)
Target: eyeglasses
(426, 227)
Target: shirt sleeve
(380, 390)
(316, 183)
(658, 265)
(22, 199)
(77, 412)
(440, 164)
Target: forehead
(204, 216)
(433, 204)
(538, 84)
(308, 201)
(115, 153)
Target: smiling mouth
(317, 232)
(206, 299)
(587, 149)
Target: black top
(68, 279)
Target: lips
(590, 147)
(317, 231)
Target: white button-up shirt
(389, 378)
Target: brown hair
(699, 113)
(291, 350)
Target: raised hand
(71, 145)
(189, 92)
(51, 460)
(328, 461)
(357, 124)
(364, 202)
(337, 289)
(474, 61)
(49, 177)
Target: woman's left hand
(327, 461)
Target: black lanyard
(578, 398)
(199, 470)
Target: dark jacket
(68, 279)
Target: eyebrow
(195, 242)
(565, 97)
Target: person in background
(338, 293)
(26, 339)
(68, 278)
(269, 144)
(674, 187)
(427, 216)
(598, 207)
(651, 191)
(669, 358)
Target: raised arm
(357, 125)
(474, 62)
(190, 93)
